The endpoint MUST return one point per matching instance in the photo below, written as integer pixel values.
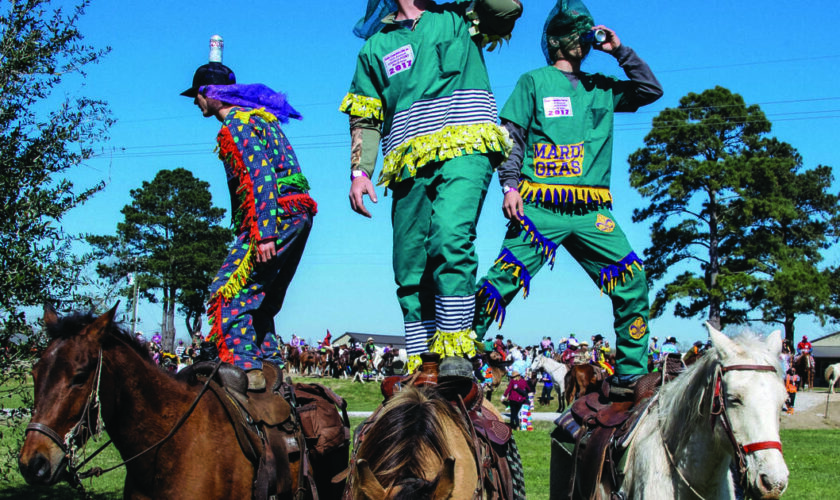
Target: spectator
(515, 396)
(670, 346)
(791, 386)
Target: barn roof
(379, 339)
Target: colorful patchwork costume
(421, 85)
(270, 203)
(562, 126)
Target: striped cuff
(417, 335)
(454, 314)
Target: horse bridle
(718, 411)
(67, 445)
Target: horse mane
(684, 401)
(408, 439)
(71, 325)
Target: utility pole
(136, 297)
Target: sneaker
(623, 387)
(256, 380)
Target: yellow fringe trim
(245, 116)
(445, 144)
(556, 194)
(454, 343)
(413, 363)
(363, 106)
(239, 276)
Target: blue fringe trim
(506, 261)
(494, 305)
(545, 246)
(611, 273)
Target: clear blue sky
(780, 57)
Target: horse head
(751, 396)
(538, 363)
(415, 448)
(66, 382)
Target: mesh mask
(566, 22)
(372, 22)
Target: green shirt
(569, 134)
(428, 86)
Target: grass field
(809, 455)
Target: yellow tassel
(244, 116)
(363, 106)
(445, 144)
(239, 276)
(413, 363)
(549, 192)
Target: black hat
(213, 73)
(598, 338)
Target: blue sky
(777, 56)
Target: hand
(611, 43)
(512, 205)
(265, 251)
(361, 186)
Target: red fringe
(300, 202)
(214, 310)
(227, 148)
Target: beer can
(217, 45)
(594, 36)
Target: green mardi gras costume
(562, 125)
(422, 88)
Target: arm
(509, 171)
(497, 17)
(642, 88)
(365, 135)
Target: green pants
(434, 216)
(593, 238)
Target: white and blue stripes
(454, 314)
(463, 107)
(417, 335)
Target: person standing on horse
(556, 181)
(421, 89)
(271, 209)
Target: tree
(172, 238)
(39, 142)
(735, 203)
(42, 138)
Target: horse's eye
(79, 379)
(734, 400)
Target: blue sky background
(777, 56)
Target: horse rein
(718, 410)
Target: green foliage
(731, 212)
(41, 138)
(172, 238)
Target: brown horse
(417, 447)
(806, 368)
(309, 361)
(292, 358)
(498, 369)
(92, 370)
(581, 379)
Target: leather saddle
(265, 426)
(596, 432)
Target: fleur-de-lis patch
(637, 329)
(604, 224)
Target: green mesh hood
(568, 19)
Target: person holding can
(556, 181)
(421, 89)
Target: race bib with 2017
(398, 60)
(557, 107)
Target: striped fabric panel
(417, 335)
(463, 107)
(454, 314)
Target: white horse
(557, 372)
(737, 387)
(832, 375)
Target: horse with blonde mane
(723, 409)
(832, 375)
(417, 447)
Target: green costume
(423, 86)
(566, 124)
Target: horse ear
(774, 342)
(100, 325)
(722, 343)
(446, 480)
(367, 481)
(50, 316)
